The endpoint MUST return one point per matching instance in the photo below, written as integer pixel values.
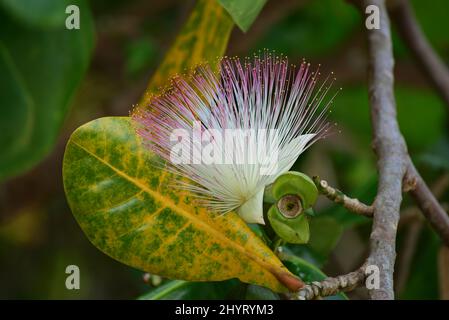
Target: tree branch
(391, 152)
(437, 72)
(426, 201)
(331, 285)
(338, 196)
(434, 68)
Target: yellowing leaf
(203, 38)
(129, 210)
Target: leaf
(128, 209)
(39, 72)
(42, 13)
(185, 290)
(203, 38)
(244, 12)
(254, 292)
(324, 235)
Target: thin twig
(411, 214)
(331, 286)
(434, 68)
(339, 197)
(426, 201)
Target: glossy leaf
(325, 232)
(203, 38)
(43, 13)
(254, 292)
(38, 76)
(244, 12)
(185, 290)
(130, 210)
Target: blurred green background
(53, 80)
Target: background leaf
(39, 75)
(130, 211)
(42, 13)
(185, 290)
(244, 12)
(254, 292)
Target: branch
(391, 152)
(396, 172)
(338, 196)
(331, 286)
(426, 201)
(433, 67)
(437, 72)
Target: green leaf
(185, 290)
(254, 292)
(129, 209)
(244, 12)
(203, 38)
(42, 13)
(39, 72)
(324, 235)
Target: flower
(270, 109)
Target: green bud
(293, 194)
(296, 183)
(292, 230)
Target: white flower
(270, 110)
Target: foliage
(244, 12)
(33, 110)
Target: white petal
(289, 154)
(252, 210)
(293, 149)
